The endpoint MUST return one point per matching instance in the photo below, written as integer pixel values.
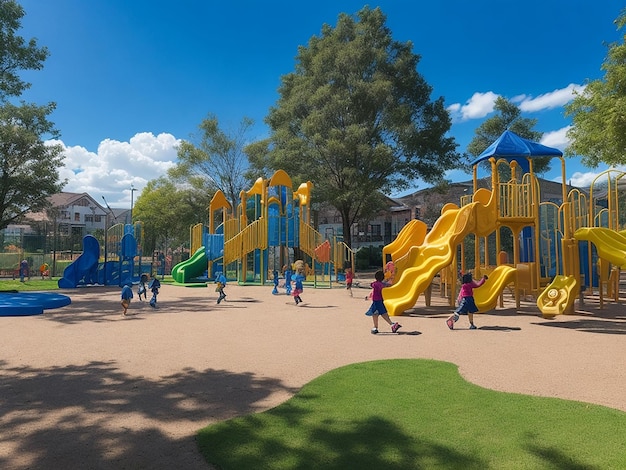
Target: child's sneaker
(395, 327)
(472, 327)
(374, 331)
(450, 323)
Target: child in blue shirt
(154, 286)
(298, 288)
(275, 274)
(220, 280)
(288, 281)
(127, 294)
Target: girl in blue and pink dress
(378, 306)
(467, 305)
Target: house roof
(67, 199)
(62, 200)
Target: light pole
(106, 241)
(132, 193)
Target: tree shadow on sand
(590, 318)
(79, 416)
(589, 325)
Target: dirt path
(84, 387)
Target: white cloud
(478, 106)
(116, 165)
(554, 99)
(582, 179)
(481, 104)
(556, 139)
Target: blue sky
(132, 78)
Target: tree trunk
(347, 234)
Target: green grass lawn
(35, 284)
(417, 414)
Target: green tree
(167, 212)
(355, 118)
(29, 167)
(217, 160)
(508, 117)
(598, 113)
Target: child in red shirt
(349, 280)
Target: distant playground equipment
(115, 265)
(270, 228)
(561, 249)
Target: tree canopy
(508, 116)
(216, 160)
(29, 167)
(167, 212)
(598, 113)
(356, 119)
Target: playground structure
(559, 250)
(270, 228)
(114, 265)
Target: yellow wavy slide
(486, 296)
(611, 245)
(425, 261)
(412, 234)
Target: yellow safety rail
(580, 208)
(196, 237)
(516, 200)
(231, 228)
(342, 255)
(310, 239)
(250, 238)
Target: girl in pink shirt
(378, 305)
(467, 306)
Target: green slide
(195, 266)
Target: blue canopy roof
(511, 146)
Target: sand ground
(84, 387)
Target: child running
(467, 305)
(287, 281)
(275, 274)
(220, 280)
(142, 289)
(154, 286)
(349, 280)
(127, 294)
(378, 306)
(298, 288)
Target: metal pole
(106, 242)
(132, 193)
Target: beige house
(73, 214)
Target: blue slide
(84, 270)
